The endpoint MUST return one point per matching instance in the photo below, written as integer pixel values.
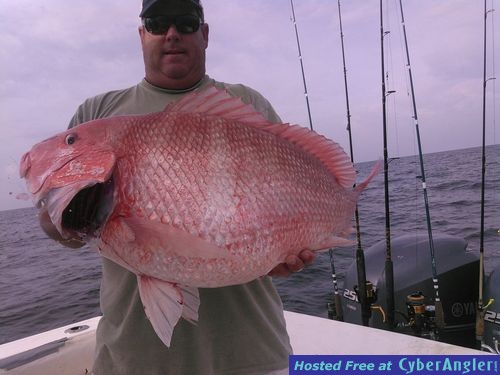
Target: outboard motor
(458, 275)
(492, 314)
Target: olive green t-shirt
(241, 329)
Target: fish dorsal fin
(218, 102)
(330, 153)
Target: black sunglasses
(159, 25)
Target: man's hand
(293, 264)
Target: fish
(206, 193)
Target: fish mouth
(89, 209)
(80, 209)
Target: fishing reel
(370, 298)
(421, 317)
(370, 293)
(335, 308)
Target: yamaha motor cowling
(414, 296)
(492, 313)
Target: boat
(491, 315)
(414, 291)
(70, 349)
(432, 285)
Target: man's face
(174, 60)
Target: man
(241, 329)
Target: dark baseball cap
(152, 7)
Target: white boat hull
(70, 349)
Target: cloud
(56, 53)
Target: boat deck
(69, 349)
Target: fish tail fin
(375, 171)
(165, 303)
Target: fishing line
(18, 195)
(360, 257)
(492, 17)
(390, 81)
(480, 305)
(439, 313)
(406, 81)
(294, 21)
(338, 306)
(493, 83)
(389, 267)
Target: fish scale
(206, 193)
(276, 205)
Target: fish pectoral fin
(175, 240)
(333, 241)
(190, 303)
(164, 304)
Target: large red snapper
(206, 193)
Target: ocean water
(44, 285)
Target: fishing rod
(480, 307)
(439, 313)
(338, 313)
(301, 66)
(360, 255)
(389, 269)
(335, 311)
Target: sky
(56, 53)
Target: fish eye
(70, 139)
